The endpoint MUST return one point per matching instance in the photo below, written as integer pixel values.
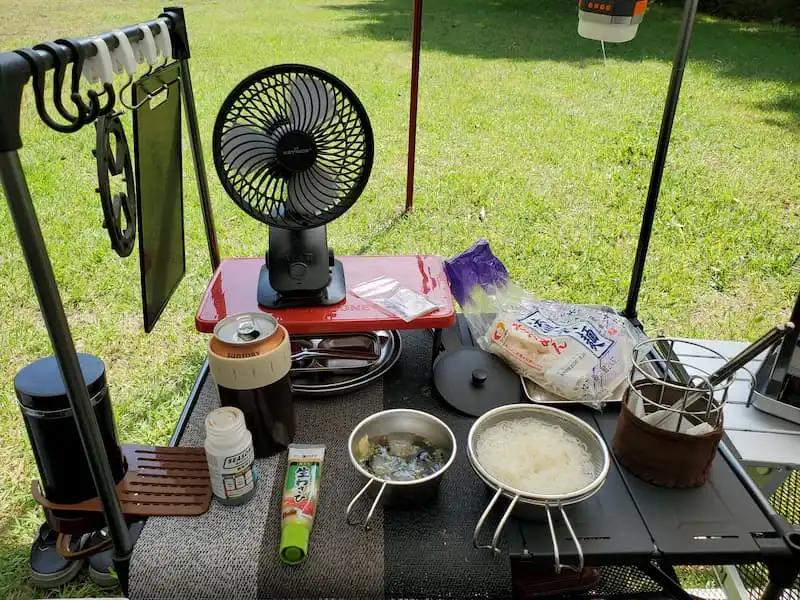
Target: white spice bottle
(229, 450)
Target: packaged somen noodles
(580, 353)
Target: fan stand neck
(300, 270)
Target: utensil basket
(664, 402)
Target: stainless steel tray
(330, 376)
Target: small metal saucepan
(535, 506)
(403, 494)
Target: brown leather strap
(532, 582)
(64, 540)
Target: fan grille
(262, 167)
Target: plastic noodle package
(579, 353)
(395, 298)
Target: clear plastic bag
(581, 353)
(395, 298)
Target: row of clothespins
(102, 66)
(126, 58)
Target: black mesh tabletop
(717, 523)
(232, 552)
(608, 526)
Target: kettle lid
(40, 386)
(474, 381)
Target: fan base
(333, 293)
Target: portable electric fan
(293, 148)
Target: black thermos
(56, 445)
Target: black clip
(37, 74)
(88, 113)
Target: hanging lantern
(610, 21)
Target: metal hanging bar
(15, 72)
(660, 158)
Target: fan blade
(310, 103)
(246, 148)
(311, 193)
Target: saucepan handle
(354, 501)
(556, 552)
(499, 529)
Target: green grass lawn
(520, 121)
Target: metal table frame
(15, 73)
(644, 539)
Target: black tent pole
(678, 66)
(30, 237)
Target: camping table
(232, 290)
(768, 447)
(628, 525)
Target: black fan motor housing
(296, 151)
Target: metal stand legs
(30, 238)
(199, 165)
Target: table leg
(190, 402)
(772, 592)
(670, 584)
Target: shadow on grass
(522, 30)
(789, 104)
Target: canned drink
(249, 356)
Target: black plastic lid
(40, 386)
(474, 382)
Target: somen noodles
(535, 457)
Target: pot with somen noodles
(540, 458)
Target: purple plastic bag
(474, 267)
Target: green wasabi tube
(300, 498)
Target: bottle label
(232, 476)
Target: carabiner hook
(37, 74)
(59, 72)
(145, 50)
(123, 60)
(100, 68)
(88, 113)
(163, 41)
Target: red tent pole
(416, 42)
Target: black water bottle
(53, 433)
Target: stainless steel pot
(537, 506)
(403, 494)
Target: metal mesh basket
(528, 505)
(671, 416)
